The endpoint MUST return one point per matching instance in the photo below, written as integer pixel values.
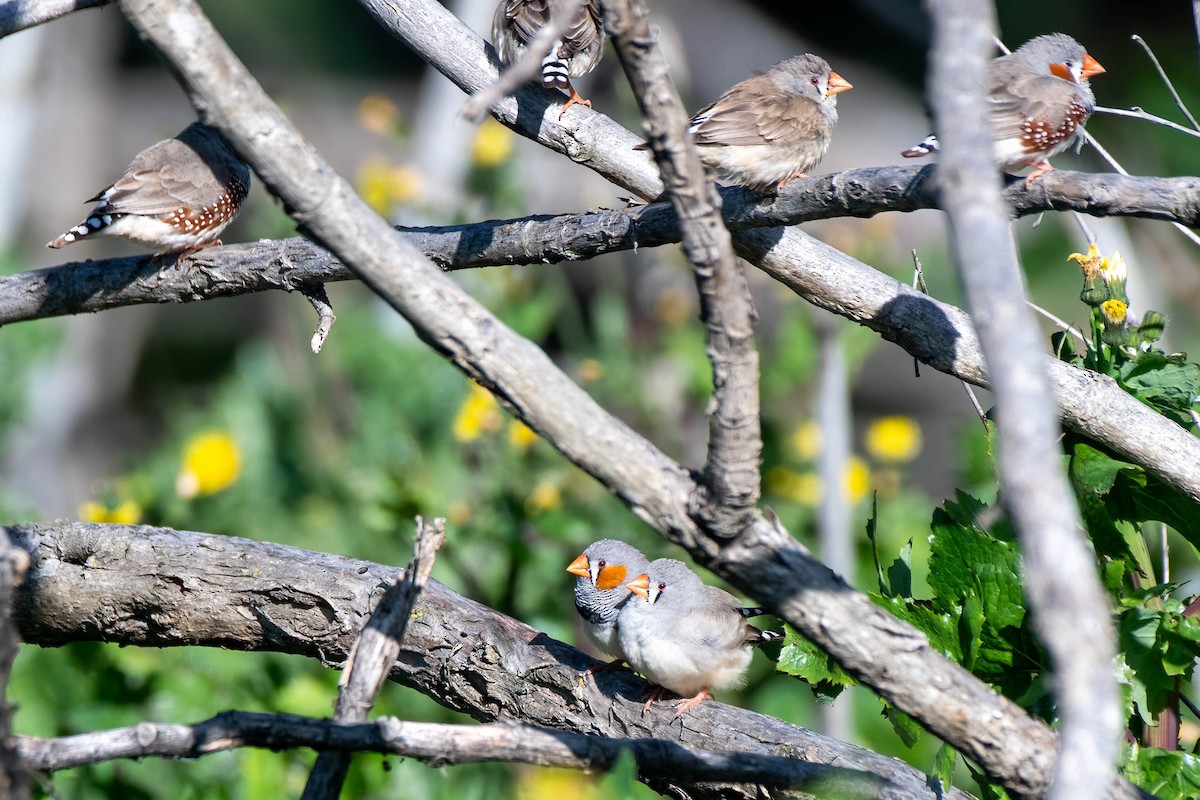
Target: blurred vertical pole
(833, 462)
(441, 137)
(19, 59)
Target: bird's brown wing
(162, 178)
(585, 31)
(526, 17)
(745, 116)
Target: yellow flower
(807, 439)
(383, 185)
(378, 114)
(896, 439)
(551, 783)
(1113, 268)
(478, 414)
(590, 370)
(1114, 313)
(544, 497)
(857, 480)
(127, 513)
(1090, 263)
(211, 462)
(521, 436)
(493, 144)
(800, 487)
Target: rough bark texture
(14, 772)
(160, 588)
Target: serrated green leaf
(1167, 384)
(943, 767)
(941, 627)
(884, 588)
(1167, 774)
(801, 658)
(964, 560)
(970, 629)
(907, 728)
(1138, 631)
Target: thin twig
(528, 65)
(443, 744)
(918, 283)
(316, 295)
(1066, 326)
(1162, 73)
(1142, 114)
(372, 656)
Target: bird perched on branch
(573, 55)
(177, 195)
(772, 127)
(603, 569)
(684, 635)
(1039, 99)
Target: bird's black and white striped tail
(96, 221)
(554, 69)
(752, 611)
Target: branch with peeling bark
(156, 587)
(731, 475)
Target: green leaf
(803, 659)
(1168, 774)
(943, 768)
(964, 561)
(907, 728)
(900, 572)
(970, 629)
(1165, 383)
(941, 627)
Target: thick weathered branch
(442, 745)
(731, 474)
(157, 587)
(373, 654)
(1070, 609)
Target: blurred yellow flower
(378, 114)
(493, 144)
(544, 497)
(590, 370)
(857, 480)
(800, 487)
(552, 783)
(807, 440)
(383, 185)
(1089, 263)
(211, 462)
(895, 439)
(127, 513)
(478, 414)
(521, 436)
(459, 513)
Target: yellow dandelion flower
(552, 783)
(894, 439)
(590, 370)
(544, 497)
(492, 146)
(128, 513)
(478, 414)
(211, 462)
(91, 511)
(374, 184)
(405, 183)
(1113, 269)
(804, 488)
(1114, 312)
(857, 479)
(1089, 263)
(521, 436)
(378, 114)
(807, 439)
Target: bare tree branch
(14, 772)
(1070, 609)
(442, 745)
(144, 586)
(373, 654)
(17, 15)
(318, 298)
(732, 474)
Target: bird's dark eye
(814, 80)
(662, 586)
(1069, 65)
(602, 564)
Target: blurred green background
(216, 417)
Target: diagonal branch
(441, 745)
(1070, 608)
(155, 587)
(373, 654)
(731, 475)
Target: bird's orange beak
(1091, 66)
(838, 84)
(579, 566)
(640, 586)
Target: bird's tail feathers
(554, 70)
(923, 148)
